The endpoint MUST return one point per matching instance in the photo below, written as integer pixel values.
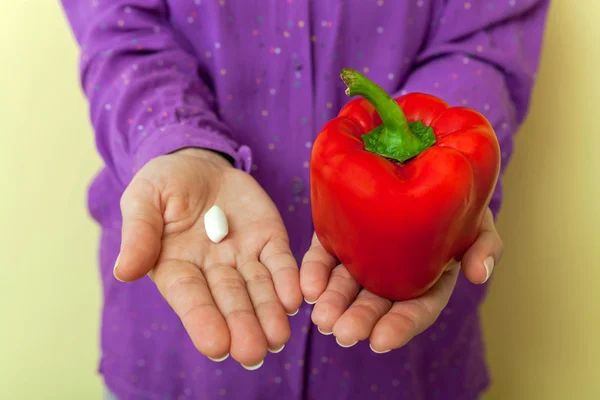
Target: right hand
(232, 297)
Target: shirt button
(297, 185)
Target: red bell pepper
(399, 187)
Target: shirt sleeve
(484, 56)
(145, 91)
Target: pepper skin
(399, 187)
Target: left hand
(352, 313)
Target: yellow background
(542, 317)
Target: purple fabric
(256, 81)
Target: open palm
(232, 297)
(352, 313)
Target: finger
(315, 270)
(186, 290)
(267, 306)
(479, 261)
(407, 319)
(335, 300)
(142, 231)
(358, 321)
(228, 288)
(282, 265)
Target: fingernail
(378, 352)
(253, 367)
(294, 313)
(344, 345)
(277, 350)
(324, 333)
(115, 269)
(219, 359)
(488, 263)
(310, 302)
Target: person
(203, 102)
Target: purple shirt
(256, 80)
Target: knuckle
(239, 313)
(259, 279)
(228, 285)
(337, 294)
(181, 283)
(270, 306)
(138, 194)
(408, 320)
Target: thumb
(142, 231)
(478, 262)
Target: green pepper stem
(393, 138)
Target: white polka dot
(512, 3)
(272, 91)
(107, 106)
(277, 50)
(466, 60)
(308, 145)
(390, 76)
(486, 107)
(380, 29)
(277, 379)
(219, 372)
(190, 20)
(420, 3)
(324, 360)
(323, 23)
(217, 45)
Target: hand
(352, 313)
(232, 297)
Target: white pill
(215, 223)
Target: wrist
(207, 155)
